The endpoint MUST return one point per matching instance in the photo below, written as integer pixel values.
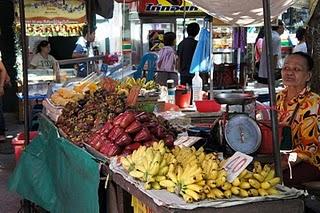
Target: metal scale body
(237, 131)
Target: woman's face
(295, 72)
(46, 49)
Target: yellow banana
(253, 192)
(244, 185)
(218, 193)
(265, 185)
(248, 175)
(235, 190)
(273, 191)
(155, 185)
(201, 183)
(220, 181)
(259, 177)
(136, 174)
(163, 170)
(167, 183)
(227, 193)
(236, 182)
(187, 198)
(257, 167)
(262, 192)
(194, 187)
(195, 196)
(160, 178)
(243, 174)
(270, 175)
(254, 183)
(154, 169)
(147, 186)
(274, 181)
(226, 186)
(171, 189)
(206, 189)
(243, 193)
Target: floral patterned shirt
(306, 124)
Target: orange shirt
(306, 124)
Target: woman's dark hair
(168, 38)
(42, 43)
(260, 35)
(280, 23)
(307, 57)
(85, 29)
(300, 33)
(193, 29)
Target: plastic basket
(18, 143)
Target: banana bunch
(260, 182)
(186, 181)
(195, 175)
(125, 86)
(147, 164)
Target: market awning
(241, 12)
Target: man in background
(84, 48)
(302, 45)
(186, 49)
(276, 53)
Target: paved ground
(9, 201)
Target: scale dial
(243, 134)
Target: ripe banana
(254, 183)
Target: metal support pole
(26, 203)
(272, 93)
(211, 57)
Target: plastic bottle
(196, 87)
(171, 91)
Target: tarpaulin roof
(241, 12)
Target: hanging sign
(55, 11)
(167, 7)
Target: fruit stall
(99, 132)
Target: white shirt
(300, 48)
(276, 51)
(42, 63)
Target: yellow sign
(55, 12)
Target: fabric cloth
(42, 63)
(276, 51)
(186, 49)
(83, 47)
(301, 173)
(162, 77)
(306, 124)
(300, 48)
(167, 59)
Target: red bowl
(208, 106)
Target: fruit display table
(283, 206)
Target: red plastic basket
(208, 106)
(18, 143)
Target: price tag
(236, 164)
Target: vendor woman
(42, 59)
(298, 103)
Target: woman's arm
(3, 77)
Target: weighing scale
(237, 130)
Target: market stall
(120, 125)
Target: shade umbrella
(249, 13)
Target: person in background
(302, 45)
(297, 103)
(166, 64)
(4, 79)
(186, 49)
(42, 59)
(276, 53)
(84, 48)
(258, 47)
